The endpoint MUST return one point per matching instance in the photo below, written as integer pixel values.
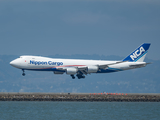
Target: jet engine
(71, 71)
(92, 69)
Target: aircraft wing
(83, 69)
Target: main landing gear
(79, 76)
(23, 73)
(72, 76)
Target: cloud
(74, 90)
(21, 90)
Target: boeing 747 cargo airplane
(80, 68)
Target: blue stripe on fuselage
(47, 69)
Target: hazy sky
(103, 27)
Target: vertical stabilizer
(139, 54)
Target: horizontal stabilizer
(139, 65)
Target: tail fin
(139, 54)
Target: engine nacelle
(71, 71)
(92, 69)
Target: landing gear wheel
(80, 76)
(23, 74)
(72, 76)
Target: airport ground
(88, 97)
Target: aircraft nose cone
(11, 63)
(15, 63)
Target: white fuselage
(50, 64)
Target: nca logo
(137, 53)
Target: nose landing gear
(23, 73)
